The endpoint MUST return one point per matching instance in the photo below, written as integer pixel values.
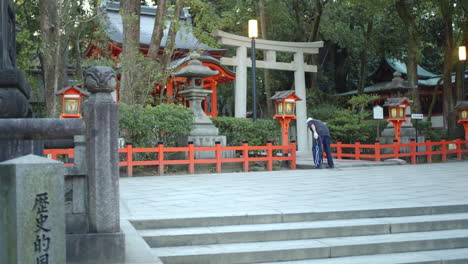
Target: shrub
(145, 126)
(240, 129)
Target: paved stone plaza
(294, 191)
(287, 192)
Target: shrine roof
(399, 84)
(461, 105)
(203, 58)
(184, 38)
(396, 101)
(283, 95)
(82, 91)
(400, 66)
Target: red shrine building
(185, 42)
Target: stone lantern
(285, 111)
(396, 113)
(71, 101)
(203, 132)
(462, 107)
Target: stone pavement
(340, 189)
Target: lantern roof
(195, 68)
(287, 94)
(461, 105)
(71, 87)
(397, 101)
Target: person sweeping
(321, 142)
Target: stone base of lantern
(407, 132)
(208, 141)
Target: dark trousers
(322, 143)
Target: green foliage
(240, 129)
(425, 128)
(349, 125)
(145, 126)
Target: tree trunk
(446, 8)
(50, 29)
(266, 72)
(158, 30)
(170, 46)
(364, 54)
(413, 52)
(131, 46)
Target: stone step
(294, 217)
(271, 251)
(446, 256)
(301, 230)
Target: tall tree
(413, 50)
(446, 9)
(131, 47)
(158, 30)
(52, 63)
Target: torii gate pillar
(304, 140)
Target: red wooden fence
(425, 149)
(190, 150)
(355, 151)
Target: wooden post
(396, 148)
(245, 154)
(293, 155)
(269, 156)
(129, 160)
(218, 156)
(429, 150)
(377, 150)
(214, 98)
(339, 150)
(191, 157)
(444, 149)
(357, 150)
(413, 151)
(161, 158)
(459, 148)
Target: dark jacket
(320, 127)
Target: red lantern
(462, 107)
(71, 101)
(285, 110)
(396, 113)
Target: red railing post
(357, 150)
(191, 157)
(429, 150)
(218, 156)
(270, 156)
(129, 160)
(161, 158)
(459, 148)
(396, 148)
(293, 155)
(245, 154)
(377, 150)
(413, 151)
(443, 145)
(339, 150)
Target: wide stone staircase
(429, 235)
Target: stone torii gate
(241, 62)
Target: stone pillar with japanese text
(32, 228)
